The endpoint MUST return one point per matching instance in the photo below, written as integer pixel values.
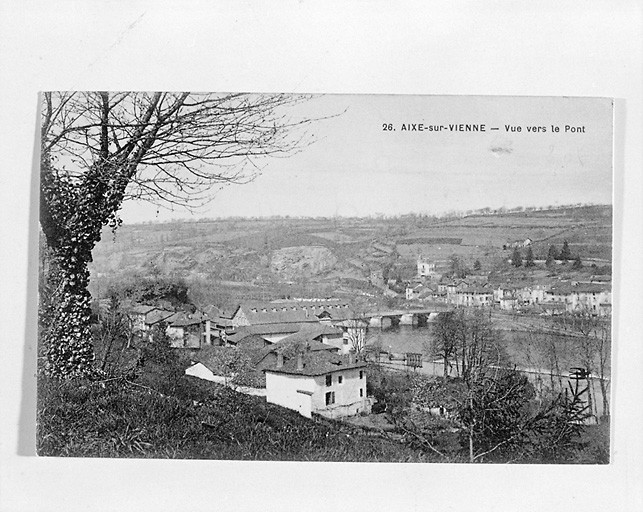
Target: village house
(474, 296)
(518, 244)
(319, 382)
(559, 293)
(138, 314)
(506, 298)
(425, 268)
(220, 324)
(143, 317)
(453, 287)
(430, 293)
(188, 330)
(512, 296)
(413, 291)
(594, 299)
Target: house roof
(289, 349)
(476, 290)
(310, 332)
(589, 288)
(158, 315)
(318, 363)
(183, 319)
(263, 330)
(249, 340)
(142, 309)
(354, 323)
(561, 289)
(273, 328)
(292, 311)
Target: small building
(156, 316)
(593, 298)
(474, 296)
(413, 291)
(138, 315)
(517, 244)
(319, 382)
(425, 268)
(188, 330)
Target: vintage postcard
(353, 278)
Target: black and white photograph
(318, 256)
(352, 278)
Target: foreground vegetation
(150, 409)
(201, 421)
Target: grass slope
(201, 421)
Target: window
(345, 341)
(361, 374)
(361, 392)
(340, 379)
(330, 398)
(329, 380)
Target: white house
(473, 296)
(319, 382)
(425, 268)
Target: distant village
(550, 296)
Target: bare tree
(594, 335)
(447, 335)
(99, 149)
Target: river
(527, 352)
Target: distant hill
(265, 252)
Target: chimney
(208, 333)
(351, 358)
(280, 360)
(300, 361)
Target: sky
(356, 167)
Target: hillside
(200, 421)
(288, 256)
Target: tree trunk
(67, 336)
(471, 456)
(71, 217)
(604, 392)
(446, 369)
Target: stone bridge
(417, 316)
